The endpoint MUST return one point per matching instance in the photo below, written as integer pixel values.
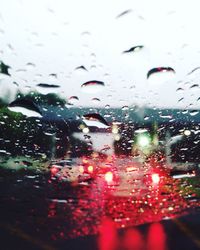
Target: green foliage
(50, 99)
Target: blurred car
(115, 174)
(63, 170)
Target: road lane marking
(18, 232)
(182, 226)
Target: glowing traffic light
(90, 168)
(143, 140)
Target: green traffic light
(143, 140)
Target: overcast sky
(39, 38)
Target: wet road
(38, 213)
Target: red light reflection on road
(51, 210)
(156, 238)
(108, 238)
(133, 240)
(81, 209)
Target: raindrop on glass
(193, 71)
(179, 90)
(95, 120)
(53, 76)
(194, 87)
(4, 70)
(92, 86)
(30, 66)
(123, 13)
(26, 107)
(193, 112)
(134, 49)
(73, 100)
(181, 99)
(96, 100)
(45, 88)
(124, 108)
(81, 69)
(160, 70)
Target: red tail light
(54, 170)
(109, 177)
(155, 178)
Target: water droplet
(81, 68)
(181, 99)
(124, 13)
(39, 45)
(46, 85)
(4, 70)
(93, 66)
(92, 86)
(85, 33)
(30, 65)
(93, 57)
(38, 76)
(96, 100)
(21, 71)
(45, 88)
(95, 120)
(105, 148)
(53, 76)
(180, 90)
(134, 49)
(141, 130)
(26, 107)
(124, 108)
(187, 132)
(146, 118)
(192, 71)
(132, 87)
(10, 47)
(106, 75)
(193, 112)
(85, 130)
(73, 100)
(194, 86)
(50, 10)
(185, 111)
(160, 70)
(16, 83)
(49, 132)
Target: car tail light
(109, 177)
(54, 170)
(155, 178)
(90, 169)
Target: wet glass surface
(52, 210)
(99, 124)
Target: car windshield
(99, 124)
